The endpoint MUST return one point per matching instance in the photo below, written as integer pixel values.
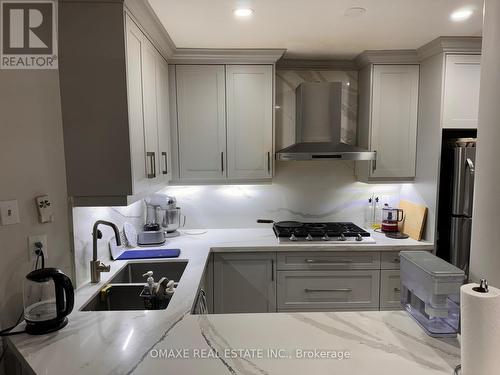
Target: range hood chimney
(319, 126)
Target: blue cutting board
(149, 254)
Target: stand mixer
(163, 214)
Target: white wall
(485, 250)
(31, 164)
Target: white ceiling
(314, 28)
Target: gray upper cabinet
(224, 122)
(461, 91)
(388, 122)
(249, 121)
(244, 282)
(201, 119)
(163, 113)
(135, 47)
(114, 94)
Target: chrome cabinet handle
(222, 161)
(341, 261)
(150, 159)
(269, 162)
(374, 162)
(165, 160)
(307, 290)
(272, 269)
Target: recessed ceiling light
(461, 14)
(243, 12)
(354, 12)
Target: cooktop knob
(309, 237)
(325, 237)
(293, 238)
(342, 237)
(359, 237)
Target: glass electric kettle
(391, 217)
(48, 300)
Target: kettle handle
(63, 285)
(400, 217)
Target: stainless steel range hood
(319, 123)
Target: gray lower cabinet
(328, 290)
(390, 260)
(390, 290)
(244, 282)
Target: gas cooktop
(294, 231)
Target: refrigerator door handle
(469, 187)
(470, 164)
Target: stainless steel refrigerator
(464, 157)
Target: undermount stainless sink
(117, 298)
(132, 272)
(123, 291)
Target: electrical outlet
(31, 245)
(9, 212)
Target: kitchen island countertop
(173, 341)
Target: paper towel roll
(480, 331)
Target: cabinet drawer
(390, 260)
(328, 260)
(316, 290)
(390, 290)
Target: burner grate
(333, 229)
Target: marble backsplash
(309, 191)
(287, 81)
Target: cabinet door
(249, 121)
(390, 293)
(149, 82)
(201, 120)
(244, 283)
(394, 120)
(163, 113)
(134, 47)
(461, 91)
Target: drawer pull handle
(151, 160)
(396, 260)
(165, 160)
(397, 290)
(324, 261)
(307, 290)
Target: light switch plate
(31, 245)
(9, 212)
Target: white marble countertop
(127, 342)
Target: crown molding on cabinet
(450, 44)
(305, 64)
(226, 56)
(148, 21)
(402, 56)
